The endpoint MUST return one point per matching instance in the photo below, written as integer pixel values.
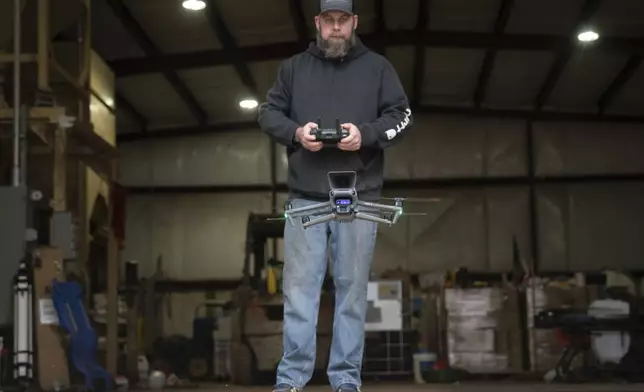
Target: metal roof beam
(502, 19)
(438, 39)
(422, 24)
(431, 109)
(140, 36)
(227, 40)
(299, 20)
(564, 54)
(620, 80)
(131, 111)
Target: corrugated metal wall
(579, 225)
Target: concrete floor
(462, 387)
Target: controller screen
(343, 202)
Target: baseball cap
(337, 5)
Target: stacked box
(483, 330)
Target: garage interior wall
(586, 213)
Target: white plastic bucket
(422, 363)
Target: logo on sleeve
(392, 133)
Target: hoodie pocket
(357, 162)
(311, 164)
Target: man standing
(336, 77)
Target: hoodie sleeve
(395, 118)
(273, 114)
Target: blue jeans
(305, 264)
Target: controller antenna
(319, 122)
(337, 125)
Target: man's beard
(336, 48)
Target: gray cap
(336, 5)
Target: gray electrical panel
(13, 226)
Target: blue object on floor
(83, 340)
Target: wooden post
(112, 281)
(59, 196)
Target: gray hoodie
(361, 88)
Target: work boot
(285, 388)
(348, 388)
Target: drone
(344, 205)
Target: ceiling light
(248, 104)
(194, 5)
(588, 36)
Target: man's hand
(353, 141)
(303, 135)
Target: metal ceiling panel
(219, 90)
(584, 79)
(587, 148)
(544, 16)
(463, 15)
(225, 159)
(258, 21)
(125, 125)
(136, 164)
(470, 228)
(198, 236)
(511, 69)
(400, 15)
(620, 18)
(172, 28)
(155, 99)
(214, 233)
(608, 216)
(452, 146)
(265, 74)
(450, 76)
(630, 99)
(109, 37)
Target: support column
(112, 281)
(43, 45)
(59, 194)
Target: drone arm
(321, 219)
(377, 219)
(380, 206)
(307, 209)
(396, 217)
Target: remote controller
(329, 135)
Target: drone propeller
(415, 199)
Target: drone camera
(339, 180)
